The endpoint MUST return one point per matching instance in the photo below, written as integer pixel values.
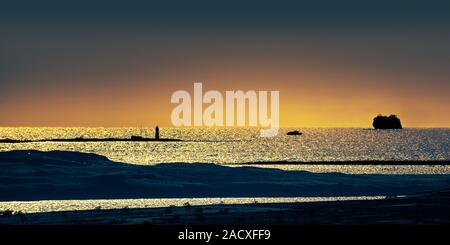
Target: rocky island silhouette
(387, 122)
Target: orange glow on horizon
(308, 98)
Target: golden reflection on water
(68, 205)
(239, 145)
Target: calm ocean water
(234, 146)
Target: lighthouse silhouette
(157, 133)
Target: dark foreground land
(424, 208)
(57, 175)
(34, 175)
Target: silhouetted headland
(354, 162)
(133, 138)
(81, 139)
(387, 122)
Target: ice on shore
(58, 175)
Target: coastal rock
(295, 132)
(387, 122)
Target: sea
(234, 146)
(241, 146)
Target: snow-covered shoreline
(58, 175)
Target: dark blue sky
(225, 12)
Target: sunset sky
(335, 65)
